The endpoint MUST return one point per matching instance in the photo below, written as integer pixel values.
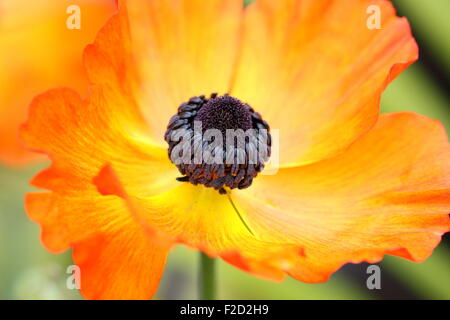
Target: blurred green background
(28, 271)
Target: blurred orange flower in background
(37, 52)
(352, 186)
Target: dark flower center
(224, 113)
(219, 142)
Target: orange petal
(164, 52)
(116, 259)
(66, 220)
(38, 52)
(121, 264)
(389, 193)
(202, 218)
(80, 136)
(316, 72)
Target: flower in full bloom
(38, 51)
(352, 185)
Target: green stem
(207, 277)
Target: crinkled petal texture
(38, 51)
(316, 71)
(388, 193)
(113, 197)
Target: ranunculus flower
(37, 52)
(353, 185)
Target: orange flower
(352, 186)
(38, 51)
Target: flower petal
(116, 258)
(316, 72)
(389, 193)
(70, 219)
(120, 265)
(38, 52)
(165, 52)
(202, 218)
(80, 136)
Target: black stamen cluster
(221, 113)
